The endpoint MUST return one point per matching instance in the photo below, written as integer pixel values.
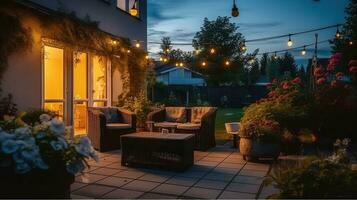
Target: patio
(218, 173)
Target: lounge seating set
(191, 128)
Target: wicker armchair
(106, 125)
(204, 129)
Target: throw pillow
(175, 114)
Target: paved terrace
(219, 173)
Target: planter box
(35, 185)
(252, 150)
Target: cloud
(259, 24)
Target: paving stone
(91, 168)
(219, 154)
(236, 195)
(111, 158)
(151, 195)
(139, 185)
(160, 178)
(219, 176)
(89, 178)
(246, 172)
(193, 174)
(248, 179)
(100, 163)
(207, 163)
(74, 196)
(105, 171)
(184, 181)
(123, 194)
(225, 170)
(77, 185)
(114, 181)
(234, 160)
(200, 168)
(170, 189)
(243, 187)
(93, 190)
(117, 165)
(212, 159)
(231, 165)
(130, 174)
(258, 167)
(202, 193)
(205, 183)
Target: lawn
(225, 115)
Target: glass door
(99, 81)
(53, 80)
(80, 95)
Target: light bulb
(161, 59)
(128, 51)
(338, 34)
(350, 42)
(275, 56)
(165, 59)
(203, 64)
(197, 51)
(212, 51)
(176, 64)
(167, 50)
(181, 64)
(290, 42)
(147, 57)
(227, 63)
(244, 48)
(137, 45)
(303, 52)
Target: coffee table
(156, 150)
(169, 125)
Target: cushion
(189, 126)
(118, 126)
(166, 124)
(111, 114)
(175, 114)
(198, 112)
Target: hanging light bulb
(244, 47)
(275, 56)
(147, 57)
(227, 63)
(177, 64)
(161, 59)
(128, 51)
(303, 52)
(167, 50)
(350, 42)
(235, 11)
(212, 51)
(203, 64)
(137, 45)
(338, 33)
(114, 42)
(197, 51)
(134, 11)
(181, 64)
(290, 42)
(165, 59)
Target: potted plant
(39, 160)
(260, 139)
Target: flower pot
(35, 185)
(252, 150)
(140, 129)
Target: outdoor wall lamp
(235, 12)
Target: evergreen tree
(263, 64)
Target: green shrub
(32, 116)
(262, 131)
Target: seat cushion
(166, 124)
(176, 114)
(198, 112)
(189, 126)
(111, 114)
(118, 126)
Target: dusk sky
(181, 19)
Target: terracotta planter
(252, 150)
(35, 185)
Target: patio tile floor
(218, 173)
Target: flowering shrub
(43, 146)
(316, 178)
(262, 131)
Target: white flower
(84, 147)
(5, 136)
(30, 153)
(44, 118)
(9, 146)
(57, 126)
(59, 145)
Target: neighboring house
(58, 77)
(262, 81)
(169, 74)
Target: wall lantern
(134, 10)
(235, 12)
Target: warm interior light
(290, 42)
(134, 11)
(177, 64)
(212, 51)
(114, 42)
(167, 50)
(303, 52)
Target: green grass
(234, 115)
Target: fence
(225, 96)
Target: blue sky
(181, 19)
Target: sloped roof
(164, 68)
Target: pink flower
(285, 85)
(353, 69)
(297, 80)
(339, 75)
(269, 85)
(318, 72)
(320, 81)
(352, 63)
(331, 67)
(334, 83)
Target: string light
(303, 52)
(212, 51)
(244, 47)
(128, 51)
(147, 57)
(114, 42)
(338, 34)
(203, 64)
(235, 11)
(181, 64)
(275, 56)
(227, 63)
(350, 42)
(177, 64)
(161, 59)
(290, 42)
(134, 11)
(137, 45)
(197, 51)
(165, 59)
(167, 50)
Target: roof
(162, 69)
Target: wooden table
(156, 150)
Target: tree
(173, 55)
(263, 64)
(165, 46)
(347, 45)
(281, 67)
(223, 37)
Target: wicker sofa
(107, 124)
(199, 121)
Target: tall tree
(263, 63)
(165, 47)
(173, 55)
(347, 45)
(220, 46)
(287, 66)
